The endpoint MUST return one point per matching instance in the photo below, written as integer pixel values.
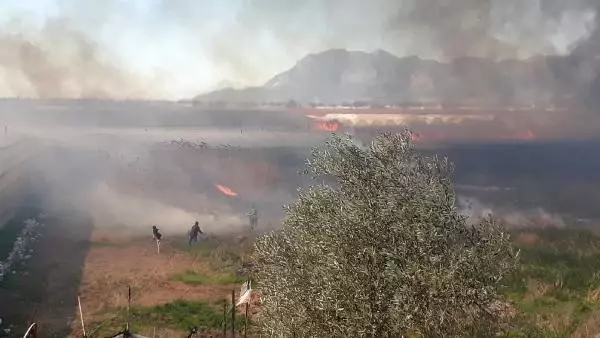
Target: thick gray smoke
(88, 49)
(58, 61)
(117, 180)
(496, 29)
(133, 174)
(567, 33)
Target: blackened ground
(563, 177)
(45, 290)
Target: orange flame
(330, 126)
(225, 190)
(526, 136)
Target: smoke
(157, 49)
(494, 29)
(474, 210)
(120, 182)
(110, 207)
(130, 177)
(58, 61)
(134, 178)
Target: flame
(528, 135)
(226, 190)
(330, 126)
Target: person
(155, 233)
(253, 216)
(194, 232)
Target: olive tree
(381, 251)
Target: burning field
(103, 188)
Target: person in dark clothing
(155, 233)
(194, 232)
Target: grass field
(182, 287)
(557, 291)
(171, 319)
(555, 294)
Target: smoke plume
(475, 210)
(60, 62)
(142, 49)
(496, 29)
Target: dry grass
(116, 261)
(537, 290)
(590, 327)
(556, 295)
(526, 238)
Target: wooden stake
(233, 313)
(249, 287)
(81, 316)
(31, 331)
(246, 322)
(128, 305)
(225, 319)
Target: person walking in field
(253, 217)
(157, 236)
(194, 233)
(156, 233)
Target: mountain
(339, 76)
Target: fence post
(246, 322)
(225, 319)
(233, 313)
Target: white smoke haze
(134, 178)
(475, 210)
(139, 176)
(111, 208)
(178, 49)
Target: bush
(382, 252)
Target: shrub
(382, 251)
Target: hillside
(337, 76)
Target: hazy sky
(179, 48)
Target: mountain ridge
(339, 76)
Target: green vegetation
(382, 252)
(180, 315)
(194, 278)
(219, 256)
(557, 290)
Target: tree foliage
(382, 251)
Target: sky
(174, 49)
